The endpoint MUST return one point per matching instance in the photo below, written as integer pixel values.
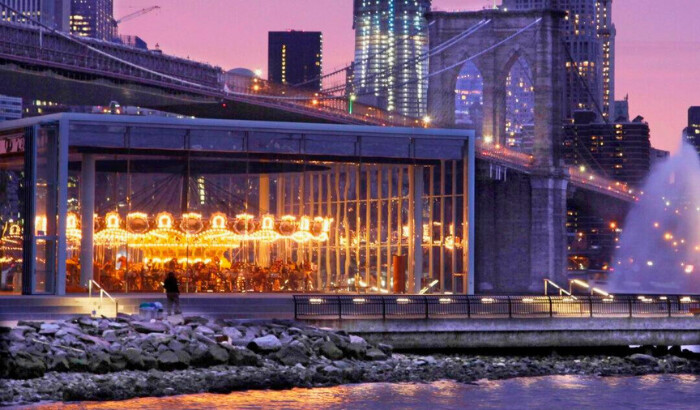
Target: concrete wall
(484, 333)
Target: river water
(552, 392)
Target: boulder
(240, 356)
(204, 330)
(387, 349)
(100, 364)
(357, 340)
(183, 356)
(78, 364)
(29, 323)
(232, 333)
(109, 335)
(292, 354)
(356, 350)
(134, 358)
(27, 367)
(375, 354)
(58, 363)
(49, 328)
(196, 319)
(157, 339)
(642, 359)
(168, 360)
(217, 355)
(87, 321)
(150, 327)
(330, 350)
(176, 345)
(265, 344)
(175, 320)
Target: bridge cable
(427, 54)
(103, 53)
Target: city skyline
(660, 88)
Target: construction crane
(135, 14)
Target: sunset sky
(657, 56)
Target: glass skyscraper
(391, 65)
(51, 13)
(93, 18)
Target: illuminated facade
(621, 150)
(390, 67)
(693, 130)
(590, 64)
(52, 13)
(234, 206)
(10, 108)
(93, 18)
(295, 57)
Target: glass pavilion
(233, 206)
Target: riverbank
(88, 359)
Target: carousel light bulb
(305, 224)
(268, 223)
(112, 220)
(218, 222)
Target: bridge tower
(538, 249)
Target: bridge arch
(469, 98)
(533, 37)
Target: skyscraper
(51, 13)
(93, 18)
(693, 130)
(620, 150)
(390, 38)
(295, 57)
(10, 108)
(590, 56)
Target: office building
(620, 151)
(295, 58)
(621, 111)
(693, 130)
(10, 108)
(132, 41)
(93, 18)
(658, 156)
(390, 38)
(51, 13)
(590, 58)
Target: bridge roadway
(46, 66)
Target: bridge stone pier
(521, 221)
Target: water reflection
(581, 392)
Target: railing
(103, 293)
(311, 307)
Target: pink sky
(658, 43)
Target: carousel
(219, 254)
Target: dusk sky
(657, 56)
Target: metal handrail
(326, 306)
(102, 294)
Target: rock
(183, 356)
(357, 340)
(240, 356)
(99, 364)
(217, 354)
(87, 321)
(355, 350)
(176, 345)
(29, 323)
(204, 330)
(118, 325)
(232, 333)
(168, 360)
(375, 354)
(678, 361)
(150, 327)
(27, 368)
(149, 362)
(19, 333)
(94, 340)
(134, 359)
(196, 319)
(175, 320)
(58, 363)
(157, 339)
(641, 359)
(49, 328)
(330, 350)
(291, 355)
(387, 349)
(265, 344)
(78, 364)
(109, 335)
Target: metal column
(87, 215)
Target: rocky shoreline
(103, 359)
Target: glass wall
(12, 191)
(251, 225)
